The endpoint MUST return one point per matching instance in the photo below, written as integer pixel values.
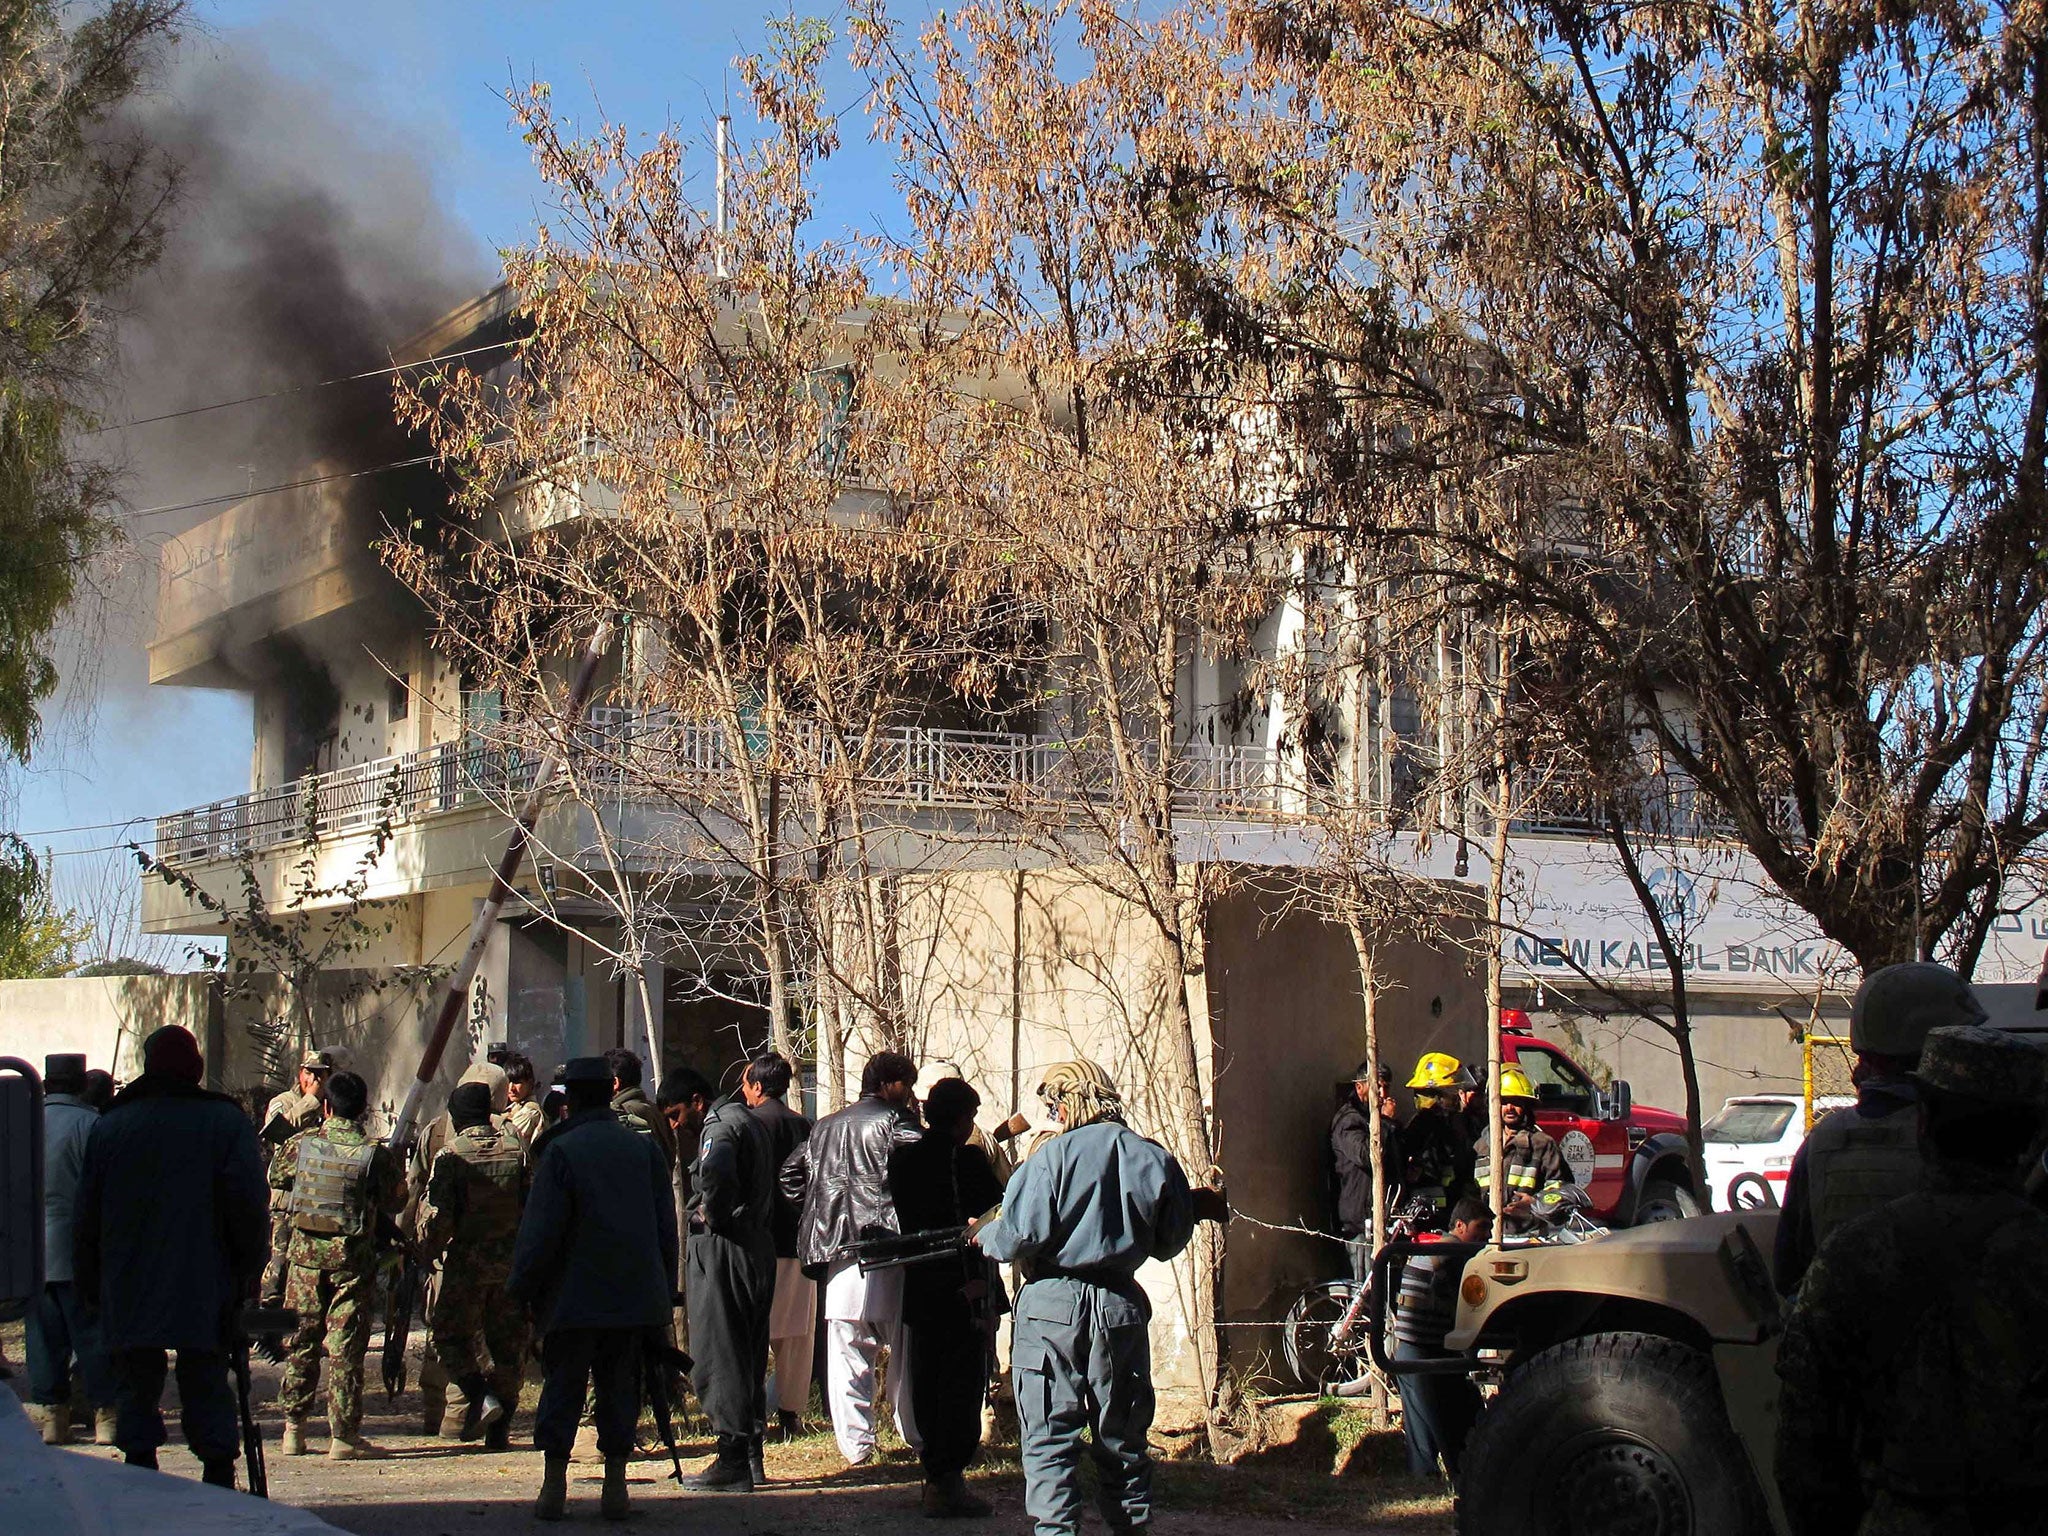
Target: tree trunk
(1496, 884)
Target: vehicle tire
(1666, 1200)
(1614, 1434)
(1305, 1336)
(1751, 1192)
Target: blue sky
(432, 75)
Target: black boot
(498, 1436)
(755, 1467)
(790, 1422)
(731, 1472)
(219, 1473)
(482, 1409)
(141, 1458)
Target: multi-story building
(365, 732)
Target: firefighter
(1529, 1155)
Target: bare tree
(696, 435)
(1709, 343)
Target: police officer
(1856, 1159)
(469, 1218)
(1079, 1217)
(341, 1181)
(1913, 1358)
(596, 1261)
(299, 1108)
(1529, 1154)
(731, 1287)
(1434, 1145)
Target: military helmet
(1438, 1071)
(1896, 1006)
(1969, 1061)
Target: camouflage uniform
(332, 1282)
(288, 1114)
(438, 1133)
(470, 1217)
(1913, 1358)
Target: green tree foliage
(82, 212)
(36, 940)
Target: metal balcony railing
(619, 750)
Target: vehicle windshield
(1748, 1122)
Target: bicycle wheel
(1316, 1362)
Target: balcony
(910, 767)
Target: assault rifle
(660, 1362)
(400, 1301)
(878, 1248)
(245, 1323)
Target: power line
(297, 389)
(96, 826)
(288, 485)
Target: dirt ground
(1322, 1471)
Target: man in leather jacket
(841, 1177)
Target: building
(381, 774)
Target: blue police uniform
(1079, 1218)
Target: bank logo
(1676, 894)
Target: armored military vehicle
(1640, 1387)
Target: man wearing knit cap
(1079, 1217)
(168, 1237)
(1914, 1357)
(469, 1219)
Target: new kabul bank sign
(1573, 911)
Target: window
(399, 704)
(1560, 1087)
(1740, 1124)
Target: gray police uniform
(1079, 1217)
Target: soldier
(1856, 1159)
(298, 1108)
(469, 1219)
(1081, 1214)
(595, 1259)
(341, 1181)
(1529, 1153)
(1913, 1358)
(439, 1132)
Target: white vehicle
(1757, 1134)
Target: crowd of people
(575, 1223)
(1437, 1168)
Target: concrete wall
(1289, 1019)
(106, 1017)
(1028, 968)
